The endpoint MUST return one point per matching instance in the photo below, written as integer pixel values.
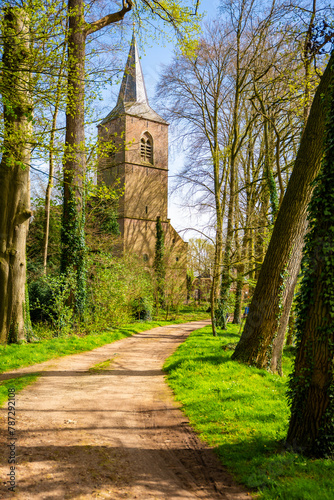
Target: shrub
(120, 290)
(49, 298)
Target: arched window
(146, 148)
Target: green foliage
(40, 299)
(190, 279)
(50, 298)
(142, 308)
(159, 263)
(73, 248)
(220, 316)
(101, 210)
(225, 288)
(35, 238)
(242, 412)
(182, 16)
(27, 317)
(15, 383)
(120, 289)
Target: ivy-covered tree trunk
(311, 387)
(256, 342)
(226, 279)
(291, 327)
(159, 263)
(72, 234)
(14, 174)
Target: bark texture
(311, 387)
(72, 234)
(14, 174)
(256, 343)
(290, 282)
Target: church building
(137, 140)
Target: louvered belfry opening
(146, 149)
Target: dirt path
(114, 434)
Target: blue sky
(153, 56)
(151, 60)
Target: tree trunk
(240, 264)
(311, 387)
(51, 163)
(255, 345)
(14, 174)
(159, 264)
(287, 295)
(72, 235)
(238, 295)
(226, 272)
(73, 222)
(218, 244)
(291, 324)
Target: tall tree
(194, 91)
(311, 386)
(58, 95)
(73, 242)
(14, 172)
(256, 343)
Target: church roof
(132, 98)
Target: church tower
(136, 154)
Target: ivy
(315, 314)
(159, 263)
(74, 249)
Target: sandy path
(116, 434)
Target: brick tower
(139, 160)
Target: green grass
(242, 412)
(99, 367)
(186, 313)
(17, 383)
(16, 356)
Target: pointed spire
(133, 85)
(132, 98)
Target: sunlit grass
(19, 355)
(16, 383)
(243, 413)
(100, 367)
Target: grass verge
(19, 355)
(242, 412)
(16, 383)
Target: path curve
(117, 434)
